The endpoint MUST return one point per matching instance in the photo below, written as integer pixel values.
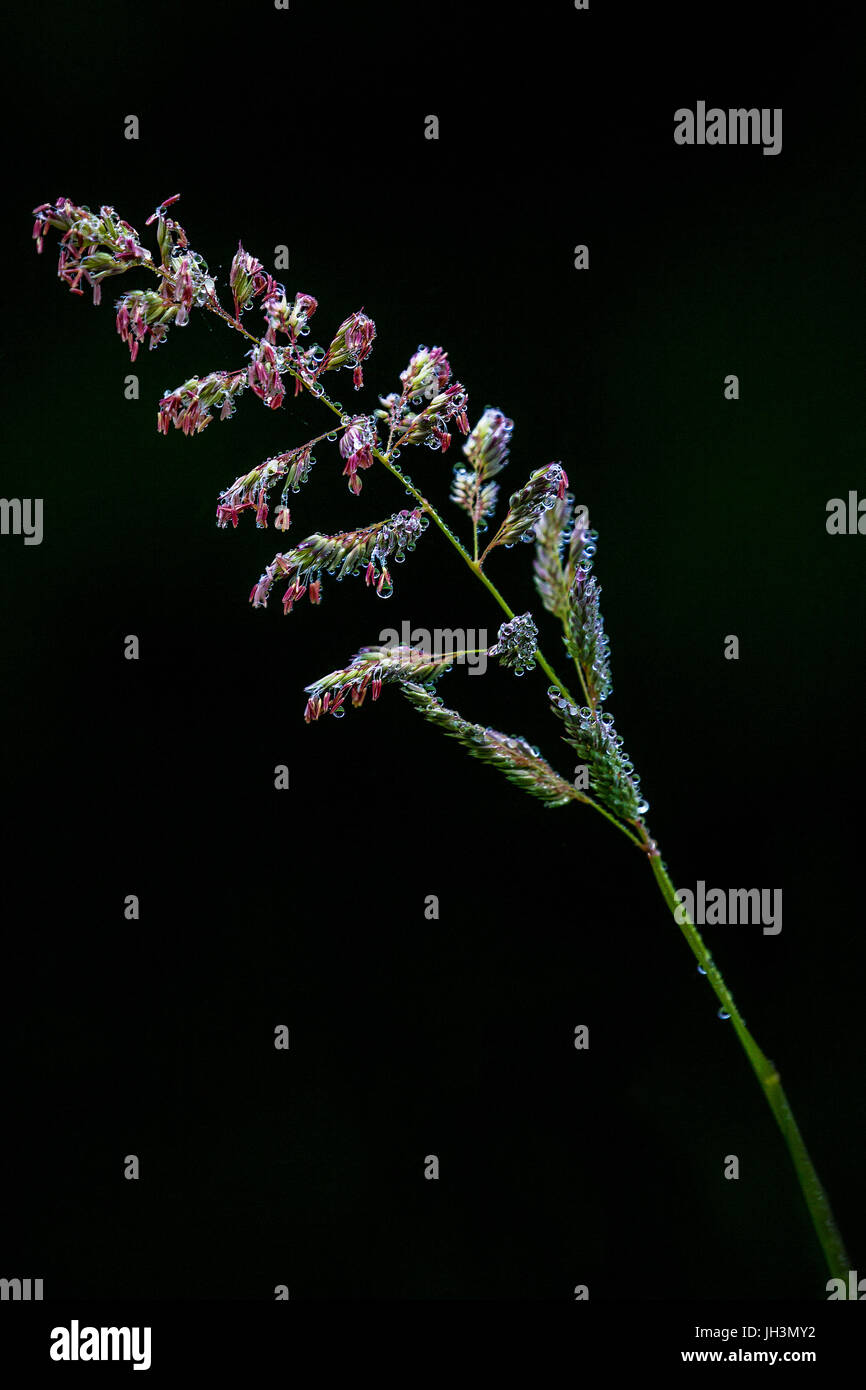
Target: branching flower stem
(634, 830)
(427, 506)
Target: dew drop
(338, 712)
(386, 591)
(723, 1013)
(701, 970)
(332, 435)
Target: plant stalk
(769, 1081)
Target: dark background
(307, 908)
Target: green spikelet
(612, 777)
(514, 757)
(564, 552)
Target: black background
(307, 908)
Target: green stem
(474, 565)
(769, 1080)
